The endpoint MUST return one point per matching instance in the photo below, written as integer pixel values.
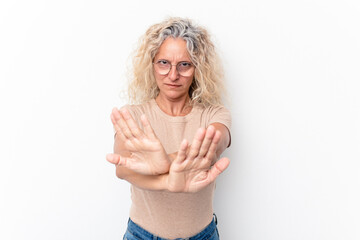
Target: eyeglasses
(163, 67)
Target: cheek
(158, 79)
(189, 82)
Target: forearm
(147, 182)
(224, 139)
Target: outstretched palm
(144, 152)
(192, 171)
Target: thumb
(218, 168)
(113, 158)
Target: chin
(174, 95)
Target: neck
(178, 107)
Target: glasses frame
(171, 65)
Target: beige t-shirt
(166, 214)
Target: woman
(177, 87)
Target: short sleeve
(219, 114)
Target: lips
(172, 85)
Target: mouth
(172, 85)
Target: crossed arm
(141, 159)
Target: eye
(184, 64)
(162, 62)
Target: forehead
(173, 49)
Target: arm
(224, 141)
(121, 154)
(148, 182)
(136, 153)
(191, 170)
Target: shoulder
(217, 110)
(214, 114)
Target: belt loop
(215, 218)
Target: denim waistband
(138, 231)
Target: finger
(119, 160)
(115, 116)
(133, 127)
(213, 147)
(147, 127)
(212, 174)
(129, 163)
(217, 169)
(114, 126)
(119, 135)
(117, 129)
(196, 143)
(113, 158)
(124, 128)
(181, 156)
(113, 120)
(210, 133)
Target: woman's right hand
(191, 170)
(139, 151)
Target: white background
(292, 71)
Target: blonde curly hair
(207, 86)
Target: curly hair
(207, 86)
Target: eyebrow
(189, 61)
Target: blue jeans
(135, 232)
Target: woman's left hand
(191, 170)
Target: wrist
(163, 182)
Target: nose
(173, 74)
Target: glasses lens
(185, 69)
(162, 67)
